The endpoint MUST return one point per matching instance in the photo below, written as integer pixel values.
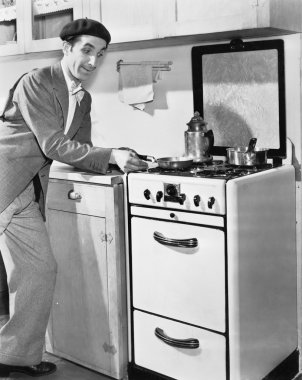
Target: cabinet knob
(73, 195)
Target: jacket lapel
(61, 90)
(78, 117)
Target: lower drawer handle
(190, 343)
(74, 195)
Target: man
(46, 117)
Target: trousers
(30, 270)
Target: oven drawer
(208, 361)
(183, 283)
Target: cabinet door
(44, 21)
(135, 20)
(79, 327)
(209, 16)
(11, 27)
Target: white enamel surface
(187, 284)
(261, 272)
(204, 187)
(178, 216)
(206, 362)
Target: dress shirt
(72, 100)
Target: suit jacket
(32, 135)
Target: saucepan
(169, 162)
(247, 155)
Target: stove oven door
(183, 283)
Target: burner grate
(213, 169)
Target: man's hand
(127, 160)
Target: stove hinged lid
(239, 89)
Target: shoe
(42, 369)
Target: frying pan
(169, 162)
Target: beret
(85, 26)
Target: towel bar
(156, 65)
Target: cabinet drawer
(76, 197)
(208, 361)
(187, 284)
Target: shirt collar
(69, 82)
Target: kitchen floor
(66, 370)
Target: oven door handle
(184, 243)
(191, 343)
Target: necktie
(77, 91)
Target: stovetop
(215, 169)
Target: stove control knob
(182, 198)
(159, 196)
(196, 200)
(147, 194)
(211, 202)
(171, 190)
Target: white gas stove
(212, 248)
(213, 272)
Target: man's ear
(66, 47)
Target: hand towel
(136, 85)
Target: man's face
(83, 57)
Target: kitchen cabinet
(34, 25)
(11, 27)
(88, 322)
(207, 19)
(44, 20)
(137, 20)
(250, 17)
(37, 23)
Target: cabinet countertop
(67, 172)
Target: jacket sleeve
(40, 108)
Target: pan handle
(251, 146)
(146, 158)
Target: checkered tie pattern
(77, 91)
